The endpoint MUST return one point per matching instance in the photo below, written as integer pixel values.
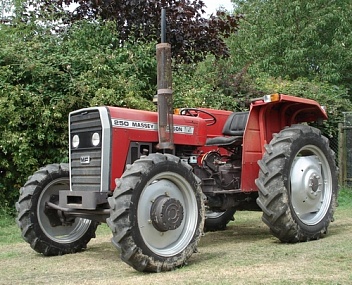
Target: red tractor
(159, 179)
(154, 201)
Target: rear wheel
(44, 228)
(157, 213)
(298, 184)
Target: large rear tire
(41, 226)
(157, 213)
(298, 184)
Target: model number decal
(129, 124)
(148, 126)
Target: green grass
(345, 197)
(245, 253)
(9, 232)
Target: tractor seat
(233, 131)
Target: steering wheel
(209, 118)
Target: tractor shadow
(247, 227)
(102, 247)
(246, 234)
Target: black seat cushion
(235, 124)
(233, 130)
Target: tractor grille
(86, 159)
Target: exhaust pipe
(164, 84)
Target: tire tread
(273, 196)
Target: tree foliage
(43, 77)
(196, 86)
(48, 70)
(5, 8)
(310, 39)
(334, 99)
(191, 35)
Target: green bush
(213, 83)
(335, 99)
(194, 89)
(44, 76)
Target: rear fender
(267, 118)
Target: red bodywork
(264, 120)
(141, 126)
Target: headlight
(75, 141)
(96, 139)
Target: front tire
(42, 227)
(298, 184)
(157, 213)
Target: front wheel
(157, 213)
(42, 227)
(298, 184)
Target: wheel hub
(314, 182)
(166, 213)
(307, 187)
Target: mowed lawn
(245, 253)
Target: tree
(44, 76)
(191, 35)
(299, 38)
(6, 7)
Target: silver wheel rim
(311, 185)
(171, 242)
(59, 234)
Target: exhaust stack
(164, 84)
